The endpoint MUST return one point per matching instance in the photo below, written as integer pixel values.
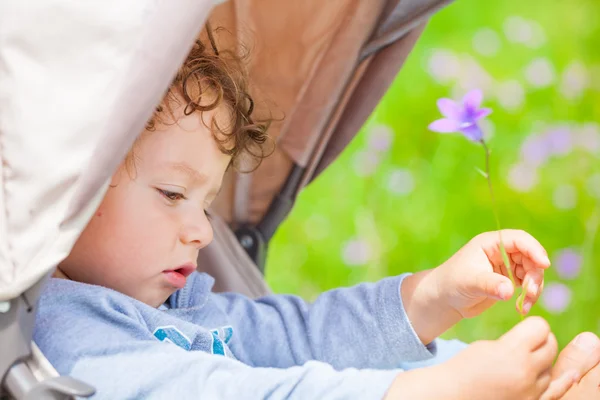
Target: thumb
(531, 333)
(491, 284)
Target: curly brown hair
(223, 75)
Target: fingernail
(546, 260)
(526, 307)
(586, 341)
(533, 288)
(504, 290)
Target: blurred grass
(350, 210)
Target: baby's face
(145, 236)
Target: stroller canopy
(78, 81)
(324, 66)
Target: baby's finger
(532, 283)
(519, 272)
(560, 386)
(517, 241)
(543, 383)
(532, 334)
(523, 306)
(500, 268)
(580, 355)
(517, 258)
(544, 355)
(491, 285)
(531, 291)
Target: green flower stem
(499, 227)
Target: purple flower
(588, 137)
(560, 140)
(462, 117)
(356, 252)
(366, 162)
(522, 177)
(535, 150)
(568, 263)
(556, 297)
(380, 138)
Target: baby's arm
(107, 340)
(381, 325)
(153, 370)
(365, 326)
(102, 338)
(133, 368)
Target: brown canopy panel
(324, 65)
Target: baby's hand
(474, 278)
(516, 366)
(581, 356)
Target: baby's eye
(173, 196)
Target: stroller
(324, 64)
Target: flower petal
(473, 99)
(482, 113)
(445, 125)
(450, 109)
(472, 132)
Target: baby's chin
(153, 297)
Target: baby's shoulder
(70, 301)
(75, 320)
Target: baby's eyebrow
(184, 168)
(195, 176)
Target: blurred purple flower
(380, 138)
(535, 150)
(568, 263)
(356, 252)
(565, 197)
(444, 65)
(593, 186)
(511, 95)
(575, 80)
(462, 117)
(588, 137)
(560, 140)
(401, 182)
(556, 297)
(487, 42)
(366, 162)
(522, 177)
(540, 73)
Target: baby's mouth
(178, 276)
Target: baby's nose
(198, 234)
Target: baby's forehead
(184, 149)
(184, 169)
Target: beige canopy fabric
(78, 80)
(323, 66)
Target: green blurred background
(402, 198)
